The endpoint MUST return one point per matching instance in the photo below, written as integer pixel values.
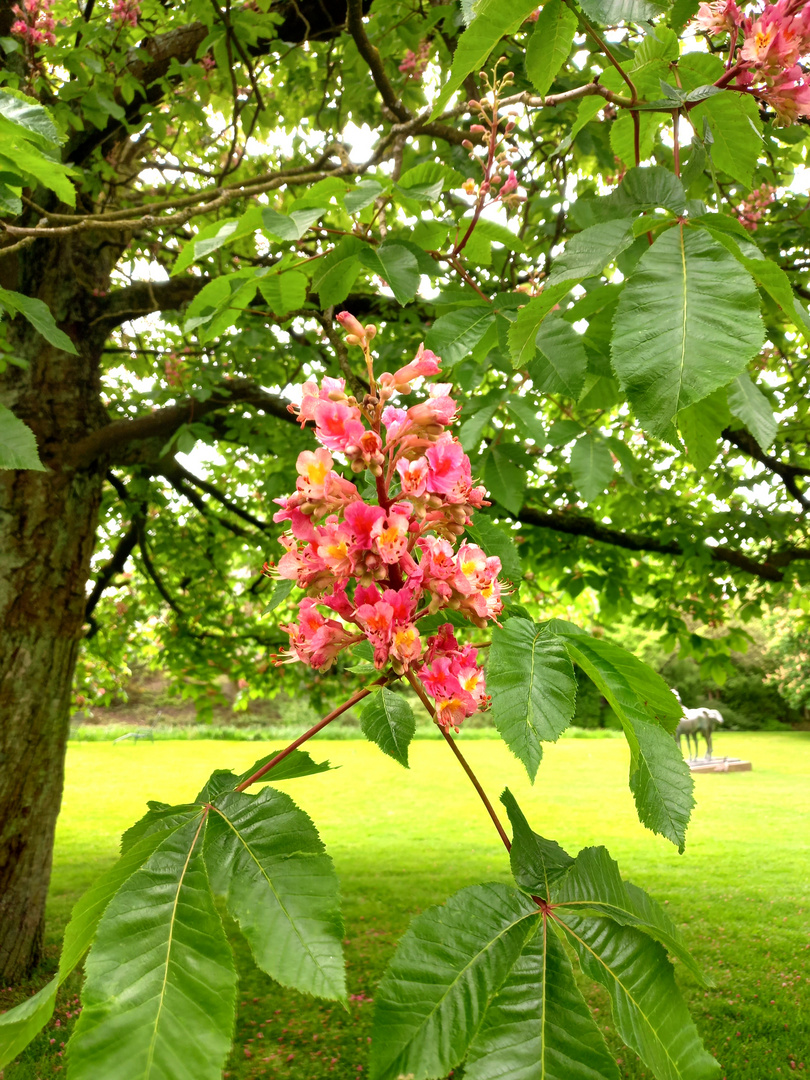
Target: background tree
(228, 176)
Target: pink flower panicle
(126, 12)
(372, 570)
(770, 47)
(34, 23)
(751, 209)
(414, 63)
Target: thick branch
(575, 524)
(302, 20)
(746, 442)
(371, 55)
(115, 565)
(144, 297)
(174, 471)
(164, 422)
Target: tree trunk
(47, 529)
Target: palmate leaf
(160, 993)
(264, 855)
(294, 765)
(539, 1027)
(533, 689)
(560, 360)
(18, 444)
(649, 1011)
(594, 885)
(591, 467)
(445, 972)
(687, 323)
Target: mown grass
(405, 840)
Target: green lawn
(405, 840)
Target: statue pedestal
(718, 764)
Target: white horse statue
(697, 721)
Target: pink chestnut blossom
(379, 567)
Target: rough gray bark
(47, 528)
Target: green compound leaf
(265, 856)
(590, 251)
(649, 1012)
(550, 44)
(747, 402)
(398, 268)
(560, 362)
(505, 480)
(659, 777)
(18, 1026)
(700, 426)
(539, 1025)
(613, 11)
(687, 323)
(523, 331)
(388, 721)
(40, 317)
(454, 336)
(537, 863)
(593, 885)
(446, 970)
(337, 273)
(493, 19)
(160, 992)
(18, 444)
(533, 689)
(296, 764)
(591, 466)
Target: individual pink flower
(413, 476)
(448, 466)
(313, 467)
(333, 547)
(377, 620)
(716, 17)
(390, 536)
(439, 409)
(510, 184)
(425, 363)
(406, 645)
(337, 425)
(361, 518)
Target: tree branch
(144, 297)
(174, 472)
(575, 524)
(115, 565)
(746, 442)
(162, 423)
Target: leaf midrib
(270, 884)
(459, 974)
(630, 997)
(150, 1056)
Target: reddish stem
(416, 684)
(312, 731)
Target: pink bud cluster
(126, 12)
(373, 569)
(414, 63)
(770, 47)
(751, 209)
(35, 23)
